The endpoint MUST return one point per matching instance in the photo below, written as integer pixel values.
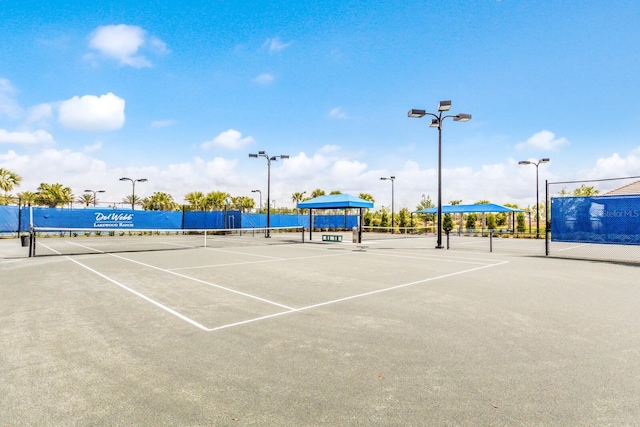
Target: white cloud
(231, 139)
(123, 43)
(263, 79)
(614, 166)
(162, 123)
(543, 140)
(8, 106)
(275, 44)
(40, 113)
(25, 138)
(337, 113)
(92, 113)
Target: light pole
(94, 195)
(269, 160)
(260, 192)
(391, 178)
(437, 123)
(133, 192)
(536, 164)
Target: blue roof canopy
(335, 201)
(486, 208)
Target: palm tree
(216, 200)
(53, 195)
(297, 197)
(132, 201)
(159, 201)
(27, 198)
(86, 199)
(317, 193)
(8, 180)
(196, 200)
(366, 196)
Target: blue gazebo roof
(486, 208)
(335, 201)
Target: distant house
(625, 190)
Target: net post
(490, 240)
(546, 218)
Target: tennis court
(389, 332)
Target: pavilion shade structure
(483, 208)
(336, 201)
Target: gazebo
(336, 201)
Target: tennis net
(371, 232)
(77, 241)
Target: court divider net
(78, 241)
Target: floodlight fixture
(462, 118)
(444, 106)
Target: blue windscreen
(599, 219)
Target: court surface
(391, 333)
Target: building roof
(633, 188)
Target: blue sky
(180, 93)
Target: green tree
(27, 198)
(520, 219)
(471, 220)
(86, 199)
(335, 192)
(426, 203)
(9, 180)
(317, 193)
(196, 200)
(54, 195)
(216, 200)
(366, 196)
(384, 218)
(491, 221)
(585, 191)
(130, 200)
(297, 197)
(159, 201)
(447, 223)
(404, 218)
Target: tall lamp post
(437, 123)
(391, 178)
(260, 192)
(94, 195)
(269, 160)
(536, 164)
(133, 192)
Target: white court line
(241, 253)
(231, 264)
(144, 297)
(365, 294)
(204, 282)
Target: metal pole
(133, 195)
(439, 242)
(268, 234)
(537, 205)
(392, 210)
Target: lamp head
(284, 156)
(142, 180)
(524, 162)
(254, 156)
(544, 160)
(125, 179)
(434, 123)
(88, 191)
(416, 114)
(462, 118)
(444, 106)
(262, 153)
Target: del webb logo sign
(113, 219)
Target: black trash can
(25, 240)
